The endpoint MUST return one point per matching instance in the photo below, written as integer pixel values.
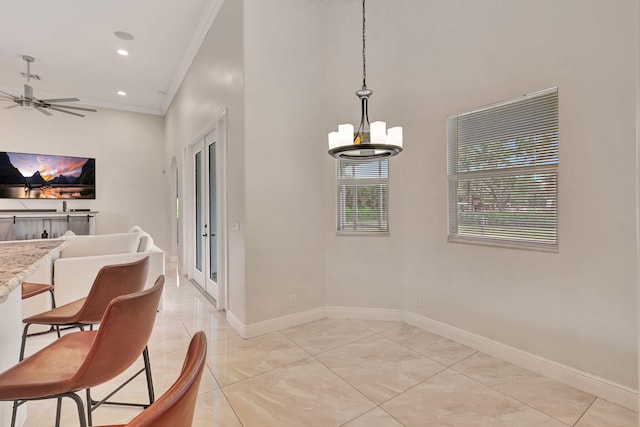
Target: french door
(205, 207)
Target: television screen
(41, 176)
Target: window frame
(531, 239)
(340, 231)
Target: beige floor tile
(326, 334)
(195, 306)
(214, 326)
(165, 369)
(440, 349)
(378, 325)
(606, 414)
(305, 393)
(235, 359)
(43, 413)
(450, 399)
(273, 380)
(374, 418)
(558, 400)
(213, 409)
(167, 338)
(166, 316)
(378, 367)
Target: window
(502, 164)
(363, 194)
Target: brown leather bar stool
(30, 289)
(177, 405)
(85, 359)
(110, 282)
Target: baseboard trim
(273, 325)
(236, 324)
(364, 313)
(601, 387)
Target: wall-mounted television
(43, 176)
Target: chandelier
(369, 141)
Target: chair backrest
(175, 408)
(123, 334)
(111, 282)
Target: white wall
(215, 81)
(577, 307)
(430, 59)
(284, 152)
(129, 153)
(637, 180)
(264, 62)
(365, 271)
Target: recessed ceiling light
(123, 35)
(122, 52)
(122, 93)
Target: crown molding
(201, 30)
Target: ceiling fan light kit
(28, 101)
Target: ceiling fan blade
(43, 111)
(72, 108)
(49, 101)
(64, 111)
(8, 94)
(11, 106)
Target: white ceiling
(74, 47)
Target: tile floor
(341, 373)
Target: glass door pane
(213, 241)
(198, 210)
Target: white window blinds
(502, 163)
(363, 194)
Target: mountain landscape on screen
(39, 176)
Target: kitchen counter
(19, 259)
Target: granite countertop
(18, 259)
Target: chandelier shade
(368, 141)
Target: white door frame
(219, 125)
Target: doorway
(206, 219)
(205, 232)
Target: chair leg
(24, 340)
(90, 407)
(94, 404)
(58, 411)
(14, 412)
(147, 371)
(73, 396)
(53, 305)
(80, 405)
(53, 299)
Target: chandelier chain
(364, 41)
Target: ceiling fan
(27, 100)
